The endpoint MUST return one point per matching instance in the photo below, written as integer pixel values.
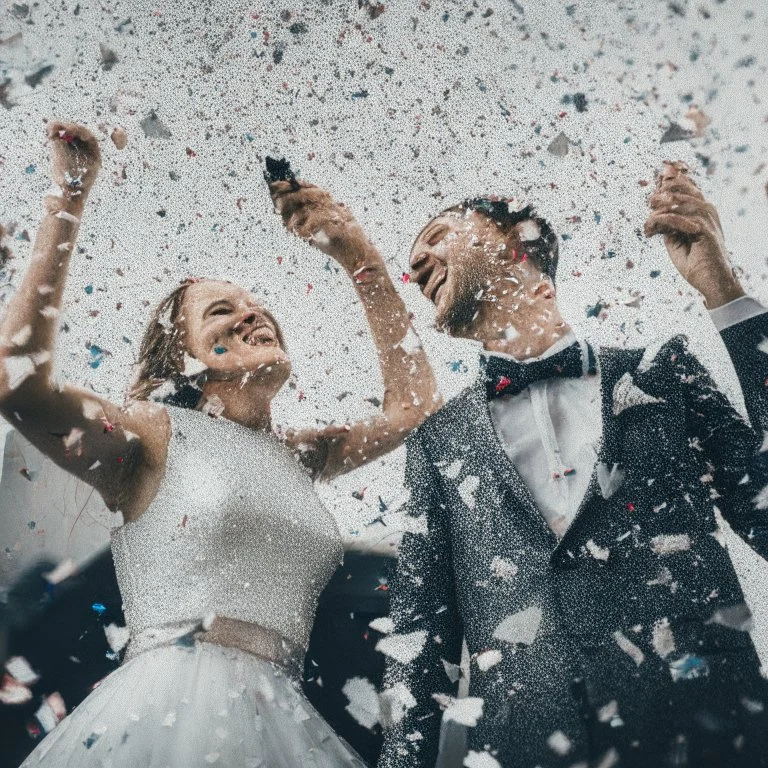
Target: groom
(568, 532)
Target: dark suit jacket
(640, 657)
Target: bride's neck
(246, 403)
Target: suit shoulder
(446, 417)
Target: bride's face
(231, 334)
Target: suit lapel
(614, 363)
(485, 436)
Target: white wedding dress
(236, 530)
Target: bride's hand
(75, 159)
(311, 213)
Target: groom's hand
(693, 235)
(311, 213)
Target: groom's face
(453, 260)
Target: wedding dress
(236, 530)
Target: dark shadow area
(60, 632)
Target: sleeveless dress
(236, 530)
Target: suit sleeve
(424, 613)
(747, 344)
(731, 448)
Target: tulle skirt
(200, 705)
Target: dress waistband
(265, 643)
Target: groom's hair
(543, 251)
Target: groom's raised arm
(743, 325)
(427, 627)
(693, 235)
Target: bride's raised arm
(85, 434)
(410, 393)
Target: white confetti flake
(411, 342)
(62, 571)
(662, 639)
(467, 489)
(22, 336)
(466, 711)
(14, 692)
(667, 544)
(363, 703)
(609, 479)
(117, 637)
(192, 366)
(480, 760)
(559, 743)
(520, 627)
(629, 647)
(761, 500)
(598, 552)
(169, 720)
(21, 671)
(737, 617)
(394, 702)
(403, 648)
(453, 469)
(50, 312)
(383, 624)
(18, 368)
(763, 346)
(607, 712)
(452, 671)
(503, 569)
(764, 446)
(212, 757)
(487, 659)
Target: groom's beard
(462, 294)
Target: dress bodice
(236, 529)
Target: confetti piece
(629, 647)
(51, 712)
(13, 692)
(737, 617)
(598, 552)
(363, 703)
(503, 569)
(99, 609)
(18, 368)
(117, 637)
(667, 544)
(394, 702)
(480, 760)
(403, 648)
(559, 743)
(62, 571)
(383, 624)
(521, 627)
(663, 640)
(21, 671)
(488, 659)
(688, 667)
(467, 489)
(466, 711)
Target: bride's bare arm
(82, 432)
(410, 393)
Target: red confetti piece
(309, 287)
(504, 382)
(184, 521)
(301, 395)
(191, 152)
(630, 506)
(406, 278)
(279, 259)
(119, 459)
(382, 588)
(569, 471)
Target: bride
(225, 546)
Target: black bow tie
(504, 376)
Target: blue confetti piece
(219, 350)
(688, 667)
(249, 136)
(30, 169)
(458, 366)
(91, 740)
(97, 355)
(89, 289)
(99, 608)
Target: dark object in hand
(279, 170)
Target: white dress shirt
(551, 430)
